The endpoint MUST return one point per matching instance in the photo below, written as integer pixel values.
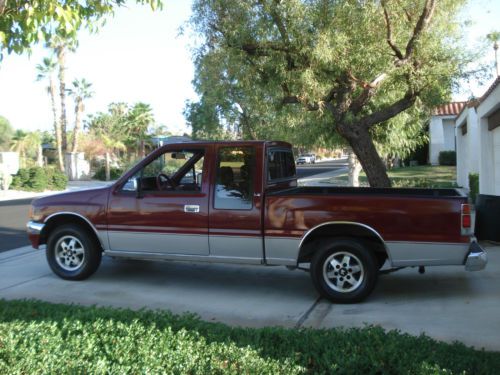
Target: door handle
(191, 208)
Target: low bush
(473, 186)
(57, 179)
(39, 337)
(39, 179)
(100, 173)
(447, 158)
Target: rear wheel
(72, 252)
(344, 271)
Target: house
(442, 130)
(477, 129)
(467, 142)
(488, 115)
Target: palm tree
(60, 46)
(46, 71)
(495, 37)
(25, 144)
(81, 90)
(110, 145)
(139, 119)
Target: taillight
(466, 219)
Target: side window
(280, 165)
(171, 171)
(235, 178)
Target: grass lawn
(431, 176)
(39, 338)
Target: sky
(140, 56)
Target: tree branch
(389, 111)
(423, 21)
(396, 50)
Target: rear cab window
(280, 165)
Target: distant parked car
(306, 159)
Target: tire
(344, 271)
(72, 252)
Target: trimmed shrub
(447, 158)
(57, 179)
(20, 179)
(100, 174)
(39, 337)
(473, 186)
(39, 180)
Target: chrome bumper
(476, 259)
(33, 227)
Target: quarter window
(235, 178)
(280, 165)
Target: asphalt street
(14, 213)
(13, 218)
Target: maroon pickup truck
(239, 202)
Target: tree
(106, 128)
(6, 133)
(27, 145)
(25, 23)
(348, 66)
(46, 72)
(81, 90)
(138, 121)
(494, 37)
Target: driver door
(163, 208)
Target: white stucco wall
(467, 146)
(441, 136)
(489, 166)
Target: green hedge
(39, 179)
(473, 186)
(38, 337)
(100, 173)
(447, 158)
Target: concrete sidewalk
(322, 179)
(446, 303)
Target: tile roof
(490, 90)
(449, 109)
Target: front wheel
(344, 271)
(72, 252)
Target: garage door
(496, 158)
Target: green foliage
(6, 133)
(100, 174)
(57, 180)
(39, 179)
(38, 337)
(447, 158)
(473, 186)
(321, 73)
(25, 23)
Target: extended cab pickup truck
(239, 202)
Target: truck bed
(406, 192)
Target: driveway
(446, 303)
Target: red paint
(395, 218)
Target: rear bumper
(476, 259)
(34, 229)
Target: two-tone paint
(410, 228)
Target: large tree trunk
(360, 140)
(57, 126)
(61, 59)
(76, 130)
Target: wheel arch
(59, 218)
(342, 229)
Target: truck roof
(231, 143)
